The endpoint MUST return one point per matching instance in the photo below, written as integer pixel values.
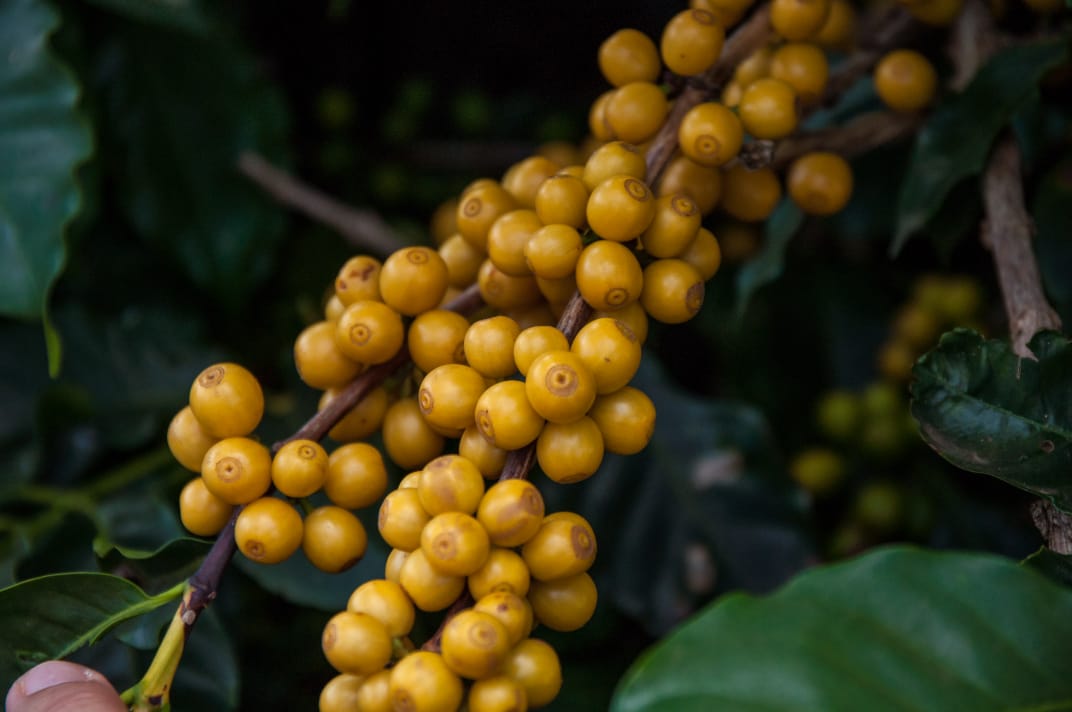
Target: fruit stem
(153, 691)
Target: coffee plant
(639, 358)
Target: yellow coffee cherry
(726, 12)
(511, 512)
(474, 644)
(524, 178)
(477, 449)
(505, 292)
(535, 665)
(392, 568)
(497, 694)
(369, 332)
(636, 111)
(562, 547)
(610, 351)
(455, 543)
(411, 481)
(447, 396)
(570, 452)
(905, 80)
(237, 470)
(626, 418)
(386, 602)
(479, 208)
(506, 418)
(401, 519)
(704, 254)
(408, 267)
(731, 94)
(429, 588)
(559, 386)
(632, 315)
(617, 158)
(187, 440)
(536, 340)
(838, 32)
(374, 695)
(802, 66)
(553, 251)
(507, 238)
(768, 110)
(201, 512)
(450, 483)
(268, 531)
(710, 134)
(701, 183)
(489, 346)
(358, 280)
(407, 437)
(820, 183)
(319, 360)
(362, 420)
(754, 66)
(435, 338)
(227, 400)
(512, 610)
(691, 42)
(503, 570)
(557, 292)
(340, 694)
(798, 19)
(934, 12)
(356, 643)
(677, 218)
(564, 604)
(444, 221)
(620, 208)
(422, 682)
(750, 195)
(333, 539)
(462, 260)
(673, 291)
(299, 468)
(597, 123)
(356, 476)
(561, 199)
(608, 275)
(629, 56)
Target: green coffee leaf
(896, 629)
(43, 138)
(52, 616)
(956, 140)
(986, 410)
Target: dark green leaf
(185, 15)
(986, 410)
(52, 616)
(182, 111)
(43, 138)
(767, 266)
(956, 140)
(172, 562)
(1048, 562)
(896, 629)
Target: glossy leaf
(956, 139)
(1053, 239)
(986, 410)
(52, 616)
(1057, 566)
(767, 266)
(181, 111)
(895, 629)
(43, 138)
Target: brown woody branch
(862, 134)
(364, 229)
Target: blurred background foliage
(174, 260)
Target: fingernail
(52, 673)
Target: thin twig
(862, 134)
(364, 229)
